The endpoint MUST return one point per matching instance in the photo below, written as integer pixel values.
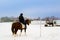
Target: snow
(35, 31)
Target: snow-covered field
(35, 31)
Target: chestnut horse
(18, 26)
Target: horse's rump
(16, 24)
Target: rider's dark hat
(21, 14)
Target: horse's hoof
(14, 35)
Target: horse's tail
(13, 28)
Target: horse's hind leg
(15, 32)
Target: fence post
(40, 28)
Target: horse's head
(28, 21)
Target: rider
(22, 20)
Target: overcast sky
(30, 8)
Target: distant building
(52, 17)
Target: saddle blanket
(23, 26)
